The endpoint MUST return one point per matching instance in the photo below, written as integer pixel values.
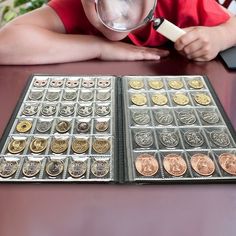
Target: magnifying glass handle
(167, 29)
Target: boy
(70, 30)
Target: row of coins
(176, 84)
(175, 165)
(170, 139)
(59, 145)
(54, 168)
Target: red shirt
(183, 13)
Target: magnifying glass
(128, 15)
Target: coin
(35, 95)
(228, 162)
(83, 127)
(66, 110)
(40, 82)
(103, 110)
(43, 126)
(210, 117)
(156, 84)
(16, 146)
(23, 126)
(187, 117)
(80, 145)
(77, 168)
(141, 118)
(181, 99)
(202, 99)
(85, 110)
(159, 99)
(101, 145)
(31, 168)
(48, 110)
(69, 95)
(101, 126)
(144, 139)
(71, 83)
(169, 139)
(146, 165)
(38, 145)
(86, 95)
(193, 138)
(174, 164)
(88, 83)
(8, 168)
(202, 164)
(195, 83)
(176, 84)
(136, 84)
(55, 83)
(220, 138)
(54, 167)
(139, 99)
(52, 96)
(104, 83)
(63, 126)
(103, 95)
(59, 145)
(30, 110)
(164, 117)
(100, 168)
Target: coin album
(118, 129)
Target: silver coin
(30, 110)
(210, 117)
(43, 126)
(85, 110)
(141, 118)
(69, 95)
(144, 138)
(8, 168)
(54, 167)
(83, 127)
(100, 168)
(103, 110)
(104, 83)
(52, 96)
(164, 117)
(88, 83)
(35, 95)
(77, 168)
(66, 110)
(169, 139)
(72, 83)
(48, 110)
(56, 83)
(220, 138)
(86, 96)
(31, 168)
(39, 83)
(103, 95)
(187, 117)
(193, 138)
(63, 126)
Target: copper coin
(16, 146)
(101, 126)
(175, 165)
(100, 168)
(54, 167)
(59, 145)
(101, 145)
(228, 162)
(38, 145)
(8, 168)
(202, 164)
(31, 168)
(77, 168)
(83, 127)
(146, 165)
(23, 126)
(63, 126)
(80, 145)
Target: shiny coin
(164, 117)
(210, 117)
(83, 127)
(8, 168)
(88, 83)
(23, 126)
(59, 145)
(100, 168)
(136, 84)
(169, 139)
(66, 110)
(104, 83)
(80, 145)
(176, 84)
(202, 164)
(195, 83)
(85, 110)
(63, 126)
(86, 95)
(77, 168)
(72, 83)
(103, 95)
(159, 99)
(220, 138)
(139, 99)
(31, 168)
(228, 163)
(40, 82)
(175, 165)
(101, 145)
(38, 145)
(202, 99)
(16, 146)
(156, 84)
(54, 168)
(181, 99)
(194, 138)
(144, 138)
(69, 95)
(30, 110)
(187, 117)
(101, 126)
(43, 126)
(146, 165)
(48, 110)
(141, 118)
(103, 110)
(35, 95)
(56, 83)
(52, 96)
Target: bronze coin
(146, 165)
(23, 126)
(101, 145)
(228, 162)
(175, 165)
(38, 145)
(63, 126)
(31, 168)
(59, 145)
(80, 145)
(16, 146)
(8, 168)
(101, 126)
(83, 127)
(100, 168)
(54, 168)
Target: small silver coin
(86, 96)
(54, 168)
(141, 118)
(83, 127)
(39, 83)
(52, 96)
(35, 95)
(169, 139)
(144, 139)
(193, 138)
(103, 110)
(164, 117)
(8, 168)
(48, 110)
(31, 168)
(103, 96)
(56, 83)
(88, 83)
(85, 110)
(66, 110)
(210, 117)
(77, 168)
(104, 83)
(220, 138)
(69, 95)
(30, 110)
(187, 117)
(70, 83)
(100, 168)
(43, 126)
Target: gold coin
(101, 145)
(31, 168)
(181, 99)
(136, 84)
(38, 145)
(54, 167)
(159, 99)
(59, 145)
(16, 146)
(195, 83)
(80, 145)
(202, 99)
(8, 168)
(176, 84)
(23, 126)
(228, 162)
(139, 99)
(156, 84)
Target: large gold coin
(228, 162)
(159, 99)
(139, 99)
(80, 145)
(136, 84)
(16, 146)
(202, 99)
(176, 84)
(101, 145)
(23, 126)
(156, 84)
(181, 99)
(195, 83)
(59, 145)
(38, 145)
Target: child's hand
(199, 43)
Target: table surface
(91, 209)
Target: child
(70, 30)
